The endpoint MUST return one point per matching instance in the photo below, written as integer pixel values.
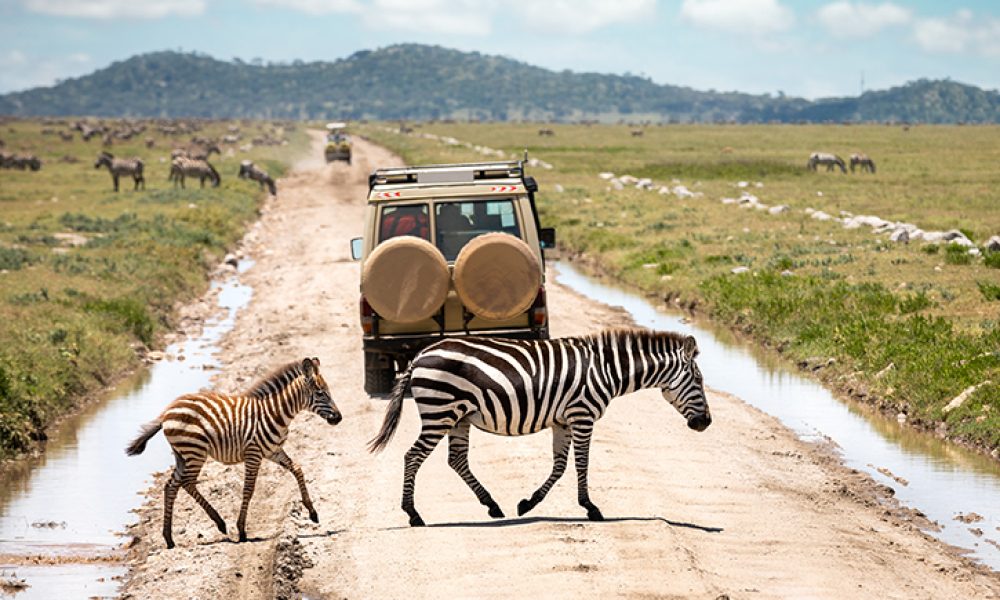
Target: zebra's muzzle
(699, 422)
(334, 418)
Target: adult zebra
(827, 159)
(250, 171)
(247, 427)
(182, 167)
(859, 159)
(121, 166)
(517, 387)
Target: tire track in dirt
(744, 509)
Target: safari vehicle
(448, 250)
(338, 143)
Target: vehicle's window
(411, 219)
(458, 222)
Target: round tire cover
(497, 276)
(405, 279)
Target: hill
(412, 81)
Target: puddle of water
(74, 499)
(944, 480)
(64, 581)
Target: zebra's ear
(316, 360)
(690, 347)
(308, 367)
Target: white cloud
(751, 17)
(19, 71)
(857, 19)
(116, 9)
(962, 33)
(479, 17)
(315, 7)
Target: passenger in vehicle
(405, 220)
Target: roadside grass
(929, 310)
(87, 275)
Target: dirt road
(743, 510)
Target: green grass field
(930, 310)
(87, 273)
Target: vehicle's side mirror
(356, 247)
(547, 237)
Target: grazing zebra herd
(182, 166)
(505, 387)
(832, 161)
(21, 162)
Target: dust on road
(744, 509)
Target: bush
(957, 255)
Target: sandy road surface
(743, 510)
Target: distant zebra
(21, 162)
(827, 159)
(546, 132)
(862, 160)
(637, 133)
(196, 152)
(121, 166)
(516, 387)
(182, 167)
(247, 428)
(250, 171)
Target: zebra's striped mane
(639, 334)
(277, 379)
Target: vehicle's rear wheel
(497, 276)
(380, 373)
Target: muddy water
(70, 504)
(942, 480)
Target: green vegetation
(930, 310)
(413, 81)
(87, 275)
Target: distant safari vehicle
(338, 143)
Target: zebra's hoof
(170, 544)
(416, 521)
(495, 512)
(313, 516)
(243, 536)
(524, 506)
(594, 514)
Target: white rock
(729, 200)
(758, 184)
(558, 188)
(821, 216)
(974, 251)
(933, 236)
(682, 192)
(617, 185)
(644, 184)
(628, 180)
(787, 273)
(993, 244)
(960, 399)
(820, 194)
(779, 209)
(738, 270)
(606, 175)
(742, 184)
(664, 190)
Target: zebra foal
(121, 166)
(517, 387)
(247, 428)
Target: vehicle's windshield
(458, 222)
(410, 219)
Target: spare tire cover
(405, 279)
(497, 276)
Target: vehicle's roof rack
(450, 173)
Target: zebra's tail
(139, 443)
(392, 412)
(216, 179)
(272, 187)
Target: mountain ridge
(421, 82)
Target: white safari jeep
(448, 250)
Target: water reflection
(943, 480)
(74, 499)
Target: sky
(809, 48)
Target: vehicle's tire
(405, 279)
(497, 276)
(380, 373)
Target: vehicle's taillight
(538, 312)
(367, 317)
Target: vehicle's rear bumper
(407, 346)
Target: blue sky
(810, 48)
